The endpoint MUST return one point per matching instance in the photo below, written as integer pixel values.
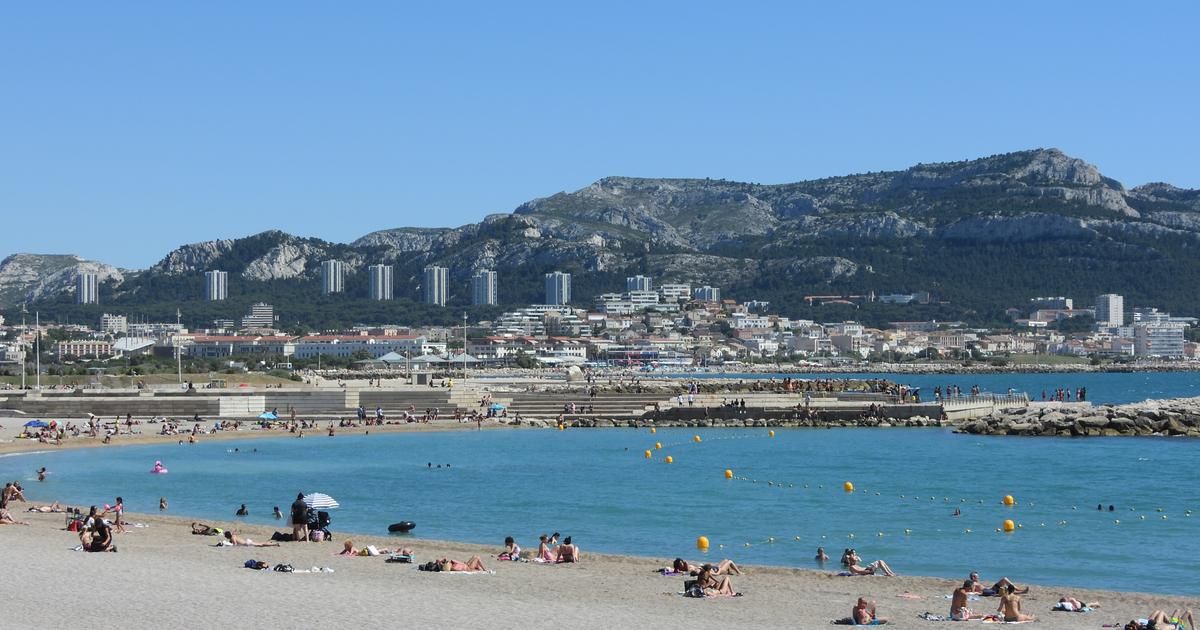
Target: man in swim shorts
(958, 603)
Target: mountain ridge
(867, 231)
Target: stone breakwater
(729, 423)
(1172, 417)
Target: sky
(128, 129)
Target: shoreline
(602, 591)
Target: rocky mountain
(981, 233)
(34, 277)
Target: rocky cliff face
(34, 277)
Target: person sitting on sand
(1010, 606)
(544, 553)
(101, 538)
(348, 548)
(474, 563)
(567, 552)
(863, 614)
(958, 603)
(1159, 620)
(6, 518)
(512, 551)
(847, 557)
(238, 541)
(713, 584)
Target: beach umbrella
(267, 415)
(36, 424)
(320, 501)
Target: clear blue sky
(127, 129)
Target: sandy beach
(163, 576)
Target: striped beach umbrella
(320, 501)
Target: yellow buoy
(562, 427)
(649, 454)
(848, 487)
(702, 543)
(696, 439)
(653, 430)
(657, 445)
(728, 474)
(670, 460)
(771, 433)
(1009, 526)
(1009, 500)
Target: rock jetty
(1171, 417)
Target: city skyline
(221, 162)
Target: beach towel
(488, 572)
(848, 621)
(928, 616)
(402, 558)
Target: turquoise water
(597, 486)
(1102, 387)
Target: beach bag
(318, 536)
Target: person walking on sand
(299, 518)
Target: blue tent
(497, 407)
(36, 424)
(267, 415)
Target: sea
(1110, 513)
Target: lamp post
(24, 359)
(37, 318)
(464, 347)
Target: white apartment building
(483, 287)
(1158, 340)
(558, 288)
(1110, 310)
(114, 324)
(674, 292)
(333, 276)
(436, 285)
(87, 288)
(379, 278)
(639, 283)
(216, 285)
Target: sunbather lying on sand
(7, 519)
(238, 541)
(474, 563)
(723, 567)
(996, 589)
(879, 567)
(1159, 620)
(53, 507)
(1070, 604)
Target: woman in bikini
(567, 552)
(544, 553)
(238, 541)
(724, 567)
(474, 563)
(713, 584)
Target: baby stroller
(318, 523)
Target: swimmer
(242, 511)
(278, 515)
(821, 555)
(162, 504)
(41, 474)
